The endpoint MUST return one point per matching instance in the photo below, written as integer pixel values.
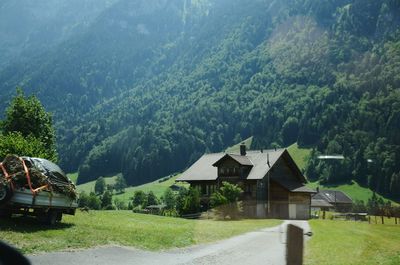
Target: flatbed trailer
(48, 207)
(43, 202)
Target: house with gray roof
(339, 200)
(272, 184)
(321, 205)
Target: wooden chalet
(272, 183)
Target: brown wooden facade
(279, 193)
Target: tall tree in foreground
(28, 129)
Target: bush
(226, 201)
(169, 199)
(83, 199)
(106, 200)
(180, 200)
(120, 204)
(191, 203)
(94, 202)
(170, 213)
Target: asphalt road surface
(266, 246)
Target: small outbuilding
(339, 200)
(320, 205)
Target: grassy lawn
(236, 148)
(157, 187)
(120, 227)
(355, 191)
(347, 242)
(89, 186)
(299, 155)
(73, 177)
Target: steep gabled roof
(320, 203)
(293, 186)
(202, 169)
(261, 162)
(333, 196)
(242, 160)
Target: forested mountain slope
(148, 86)
(31, 27)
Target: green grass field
(299, 155)
(236, 148)
(122, 228)
(73, 177)
(89, 186)
(356, 243)
(157, 187)
(355, 191)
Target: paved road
(266, 246)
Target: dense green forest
(146, 87)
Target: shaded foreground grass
(347, 242)
(122, 228)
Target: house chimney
(268, 160)
(242, 149)
(262, 151)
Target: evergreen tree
(120, 184)
(100, 185)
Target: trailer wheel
(59, 217)
(5, 193)
(51, 218)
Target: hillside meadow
(96, 228)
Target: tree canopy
(27, 129)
